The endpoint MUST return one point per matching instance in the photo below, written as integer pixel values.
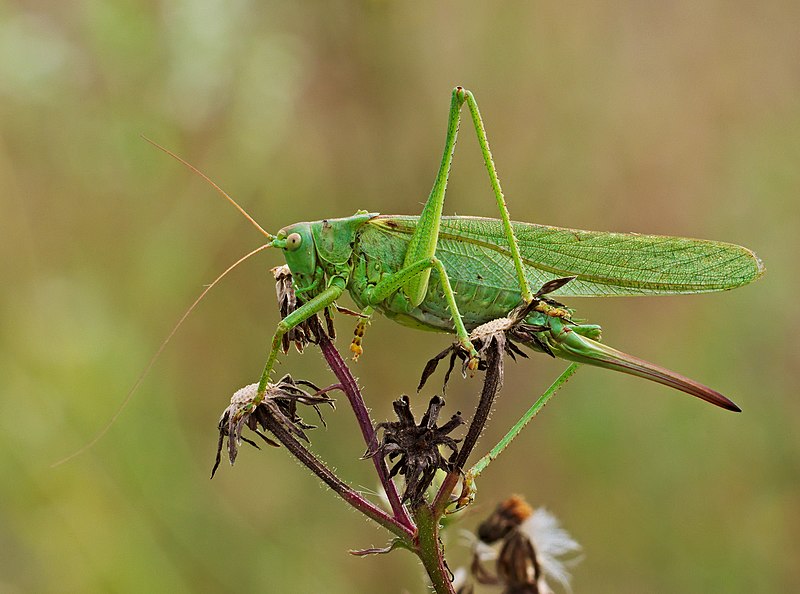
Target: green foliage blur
(679, 118)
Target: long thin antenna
(153, 359)
(215, 186)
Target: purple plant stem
(334, 482)
(350, 388)
(493, 381)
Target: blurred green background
(680, 118)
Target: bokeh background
(680, 118)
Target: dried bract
(417, 445)
(280, 403)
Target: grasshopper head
(313, 248)
(297, 243)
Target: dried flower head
(531, 546)
(280, 404)
(502, 335)
(417, 445)
(305, 332)
(508, 515)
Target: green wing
(605, 263)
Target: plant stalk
(342, 489)
(430, 550)
(491, 385)
(351, 389)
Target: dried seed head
(492, 327)
(417, 445)
(280, 403)
(517, 565)
(531, 548)
(507, 515)
(555, 547)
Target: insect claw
(358, 335)
(467, 495)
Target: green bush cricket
(453, 274)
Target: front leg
(298, 316)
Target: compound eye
(293, 241)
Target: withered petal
(431, 366)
